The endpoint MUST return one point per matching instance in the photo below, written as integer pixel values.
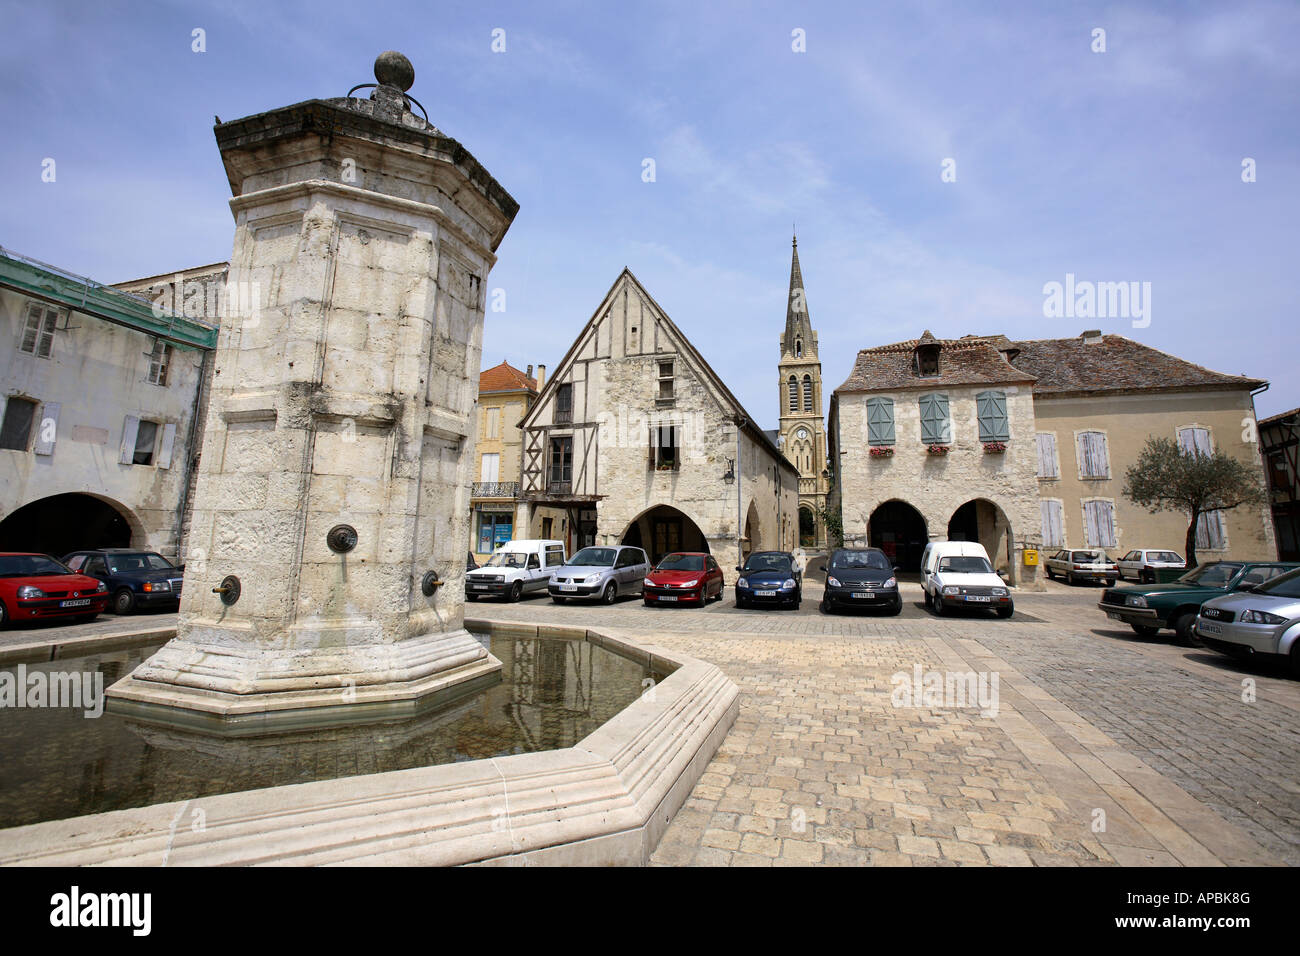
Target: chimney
(1091, 337)
(529, 373)
(541, 377)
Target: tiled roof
(1112, 363)
(968, 361)
(504, 378)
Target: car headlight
(787, 584)
(1135, 600)
(1261, 617)
(999, 592)
(890, 583)
(27, 592)
(152, 586)
(647, 583)
(951, 589)
(832, 581)
(691, 584)
(101, 586)
(741, 583)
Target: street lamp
(730, 476)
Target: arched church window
(798, 348)
(794, 394)
(807, 393)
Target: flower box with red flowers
(937, 449)
(994, 447)
(882, 451)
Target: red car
(35, 585)
(684, 577)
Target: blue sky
(1115, 166)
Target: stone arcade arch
(984, 521)
(899, 530)
(663, 529)
(753, 533)
(68, 522)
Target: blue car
(770, 577)
(135, 578)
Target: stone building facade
(505, 394)
(100, 406)
(1025, 444)
(1279, 437)
(802, 428)
(634, 439)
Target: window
(665, 447)
(927, 360)
(494, 530)
(492, 427)
(1212, 531)
(1047, 464)
(665, 382)
(145, 437)
(807, 393)
(1099, 523)
(936, 429)
(793, 386)
(991, 410)
(490, 469)
(1195, 440)
(1053, 523)
(1094, 462)
(16, 430)
(561, 460)
(159, 362)
(564, 403)
(38, 332)
(880, 421)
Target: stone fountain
(324, 577)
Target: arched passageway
(62, 523)
(663, 530)
(898, 529)
(807, 528)
(983, 521)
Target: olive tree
(1167, 477)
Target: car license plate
(81, 603)
(568, 587)
(766, 593)
(1113, 616)
(864, 595)
(478, 587)
(1209, 628)
(668, 597)
(978, 597)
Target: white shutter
(1047, 455)
(1195, 440)
(47, 427)
(165, 449)
(1093, 459)
(491, 468)
(129, 430)
(1211, 531)
(1052, 520)
(1099, 523)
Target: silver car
(1141, 564)
(602, 572)
(1264, 620)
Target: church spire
(797, 321)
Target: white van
(515, 567)
(959, 574)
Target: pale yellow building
(505, 394)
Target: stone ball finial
(393, 69)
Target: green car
(1148, 608)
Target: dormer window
(926, 359)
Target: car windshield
(849, 560)
(681, 562)
(594, 558)
(966, 565)
(29, 565)
(759, 563)
(1214, 575)
(1283, 586)
(1088, 557)
(506, 559)
(144, 561)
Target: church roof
(796, 303)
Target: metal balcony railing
(495, 489)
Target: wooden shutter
(991, 410)
(934, 420)
(1094, 462)
(47, 427)
(1211, 531)
(1195, 441)
(1052, 523)
(1099, 523)
(1046, 455)
(880, 421)
(168, 443)
(129, 430)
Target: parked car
(1148, 608)
(1263, 621)
(956, 574)
(602, 572)
(861, 577)
(683, 577)
(134, 578)
(1141, 565)
(769, 577)
(515, 567)
(1091, 564)
(35, 585)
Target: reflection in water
(57, 764)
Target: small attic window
(926, 360)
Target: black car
(135, 578)
(770, 577)
(861, 577)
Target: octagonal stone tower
(337, 451)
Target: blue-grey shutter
(991, 408)
(934, 420)
(880, 421)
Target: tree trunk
(1190, 543)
